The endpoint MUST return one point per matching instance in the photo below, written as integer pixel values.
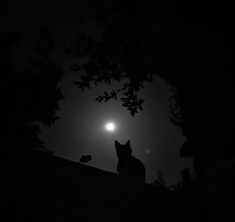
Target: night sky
(80, 129)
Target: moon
(110, 127)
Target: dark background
(160, 71)
(80, 128)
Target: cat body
(131, 168)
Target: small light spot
(110, 127)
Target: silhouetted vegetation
(30, 98)
(31, 95)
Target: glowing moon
(110, 127)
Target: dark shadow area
(38, 186)
(49, 188)
(190, 52)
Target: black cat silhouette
(128, 166)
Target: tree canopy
(187, 45)
(31, 95)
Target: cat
(129, 167)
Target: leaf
(75, 67)
(133, 112)
(105, 93)
(125, 104)
(140, 107)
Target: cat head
(123, 150)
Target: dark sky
(154, 139)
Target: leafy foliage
(140, 41)
(113, 59)
(31, 97)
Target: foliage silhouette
(31, 95)
(146, 40)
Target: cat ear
(117, 143)
(128, 143)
